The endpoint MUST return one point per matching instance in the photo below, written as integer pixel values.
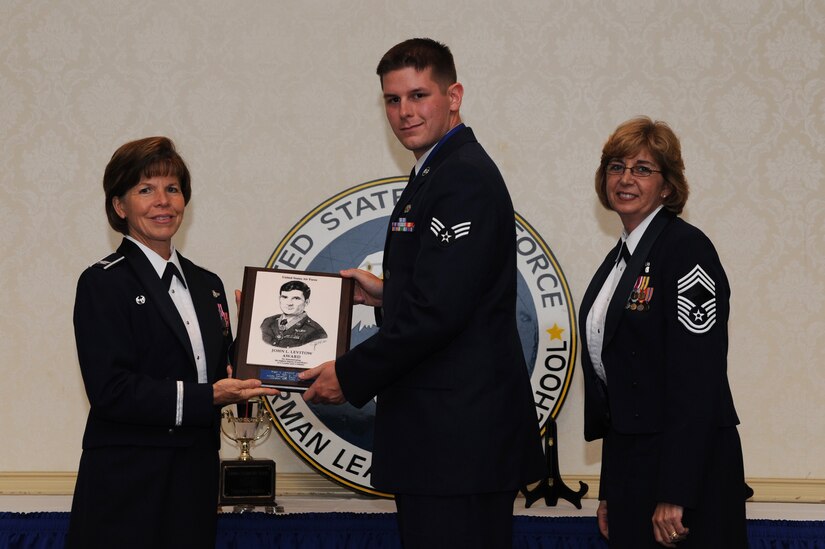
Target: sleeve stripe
(179, 405)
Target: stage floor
(355, 504)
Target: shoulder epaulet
(207, 271)
(109, 261)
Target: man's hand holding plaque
(369, 289)
(325, 389)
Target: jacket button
(636, 416)
(171, 431)
(387, 274)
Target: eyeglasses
(639, 170)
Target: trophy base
(268, 509)
(247, 484)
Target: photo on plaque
(291, 321)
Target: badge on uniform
(696, 301)
(224, 318)
(109, 261)
(641, 295)
(448, 235)
(403, 226)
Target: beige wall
(275, 107)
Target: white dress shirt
(598, 312)
(186, 309)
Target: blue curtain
(33, 530)
(358, 531)
(786, 534)
(308, 531)
(557, 533)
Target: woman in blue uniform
(152, 332)
(655, 341)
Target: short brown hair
(296, 285)
(657, 137)
(420, 53)
(137, 160)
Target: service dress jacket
(666, 413)
(454, 412)
(140, 475)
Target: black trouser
(480, 521)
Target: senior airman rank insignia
(448, 235)
(696, 301)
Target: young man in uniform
(456, 433)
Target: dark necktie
(624, 253)
(170, 271)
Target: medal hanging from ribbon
(641, 295)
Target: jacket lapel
(157, 293)
(206, 308)
(462, 136)
(456, 141)
(631, 273)
(593, 291)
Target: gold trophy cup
(246, 482)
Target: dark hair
(296, 285)
(420, 53)
(657, 137)
(138, 160)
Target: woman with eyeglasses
(655, 340)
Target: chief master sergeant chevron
(456, 431)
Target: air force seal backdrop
(349, 230)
